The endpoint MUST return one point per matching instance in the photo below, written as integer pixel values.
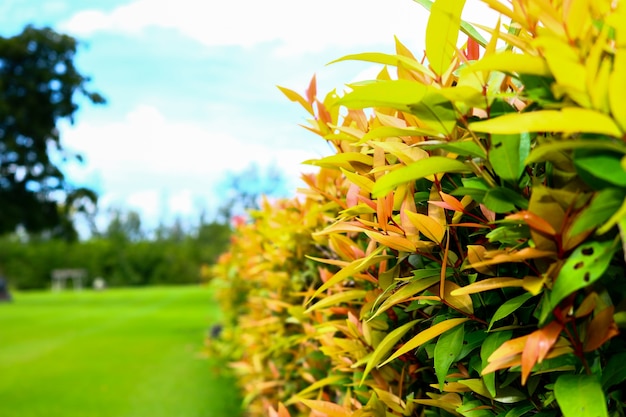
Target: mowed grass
(116, 353)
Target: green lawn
(116, 353)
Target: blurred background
(133, 133)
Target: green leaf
(425, 336)
(567, 120)
(508, 153)
(504, 200)
(405, 292)
(520, 410)
(351, 269)
(602, 207)
(397, 94)
(336, 299)
(615, 371)
(544, 150)
(385, 346)
(447, 349)
(442, 32)
(463, 148)
(583, 267)
(580, 396)
(436, 111)
(599, 169)
(491, 343)
(509, 307)
(342, 160)
(417, 170)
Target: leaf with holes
(583, 267)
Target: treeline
(123, 255)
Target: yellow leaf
(449, 401)
(442, 32)
(461, 302)
(405, 153)
(385, 346)
(399, 243)
(426, 336)
(336, 299)
(327, 408)
(617, 86)
(293, 96)
(361, 181)
(510, 62)
(476, 255)
(489, 284)
(568, 120)
(344, 160)
(329, 380)
(476, 385)
(351, 269)
(428, 226)
(405, 292)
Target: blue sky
(191, 87)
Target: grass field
(116, 353)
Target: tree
(39, 86)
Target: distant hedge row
(120, 263)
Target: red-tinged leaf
(489, 284)
(327, 408)
(322, 113)
(473, 51)
(311, 92)
(452, 202)
(538, 345)
(601, 329)
(490, 215)
(533, 221)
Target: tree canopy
(39, 86)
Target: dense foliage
(122, 257)
(39, 86)
(462, 253)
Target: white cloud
(162, 166)
(297, 26)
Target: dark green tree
(39, 86)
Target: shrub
(469, 247)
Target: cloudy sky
(191, 87)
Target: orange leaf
(533, 221)
(475, 256)
(311, 92)
(473, 52)
(600, 329)
(452, 202)
(538, 345)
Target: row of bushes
(121, 262)
(462, 252)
